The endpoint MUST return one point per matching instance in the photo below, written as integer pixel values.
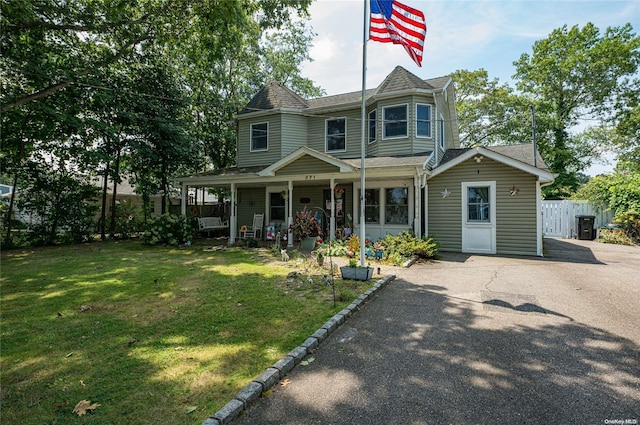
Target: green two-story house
(294, 153)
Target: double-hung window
(423, 120)
(259, 137)
(336, 135)
(394, 121)
(397, 205)
(372, 126)
(372, 205)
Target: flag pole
(363, 128)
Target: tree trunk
(116, 179)
(103, 212)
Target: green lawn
(152, 334)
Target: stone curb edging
(272, 375)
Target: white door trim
(479, 237)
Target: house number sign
(310, 177)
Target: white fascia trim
(249, 115)
(543, 176)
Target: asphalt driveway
(481, 340)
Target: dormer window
(336, 135)
(423, 120)
(394, 121)
(259, 137)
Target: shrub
(629, 221)
(128, 220)
(305, 225)
(402, 247)
(168, 229)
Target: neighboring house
(294, 153)
(127, 196)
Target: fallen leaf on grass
(308, 361)
(82, 383)
(285, 382)
(83, 406)
(191, 409)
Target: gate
(559, 217)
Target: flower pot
(308, 243)
(356, 273)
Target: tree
(618, 192)
(49, 46)
(71, 79)
(577, 73)
(489, 113)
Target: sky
(461, 34)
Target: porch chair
(255, 230)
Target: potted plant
(305, 227)
(355, 272)
(338, 191)
(379, 250)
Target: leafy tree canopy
(574, 76)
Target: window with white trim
(372, 126)
(372, 205)
(394, 121)
(276, 207)
(478, 204)
(396, 210)
(423, 120)
(259, 137)
(336, 135)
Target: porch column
(417, 228)
(332, 217)
(233, 219)
(426, 209)
(183, 198)
(290, 217)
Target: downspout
(417, 204)
(435, 139)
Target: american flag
(394, 22)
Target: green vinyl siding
(515, 215)
(250, 201)
(246, 158)
(307, 165)
(294, 133)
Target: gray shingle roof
(275, 95)
(390, 161)
(521, 152)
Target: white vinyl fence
(559, 217)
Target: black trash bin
(585, 227)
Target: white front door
(479, 217)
